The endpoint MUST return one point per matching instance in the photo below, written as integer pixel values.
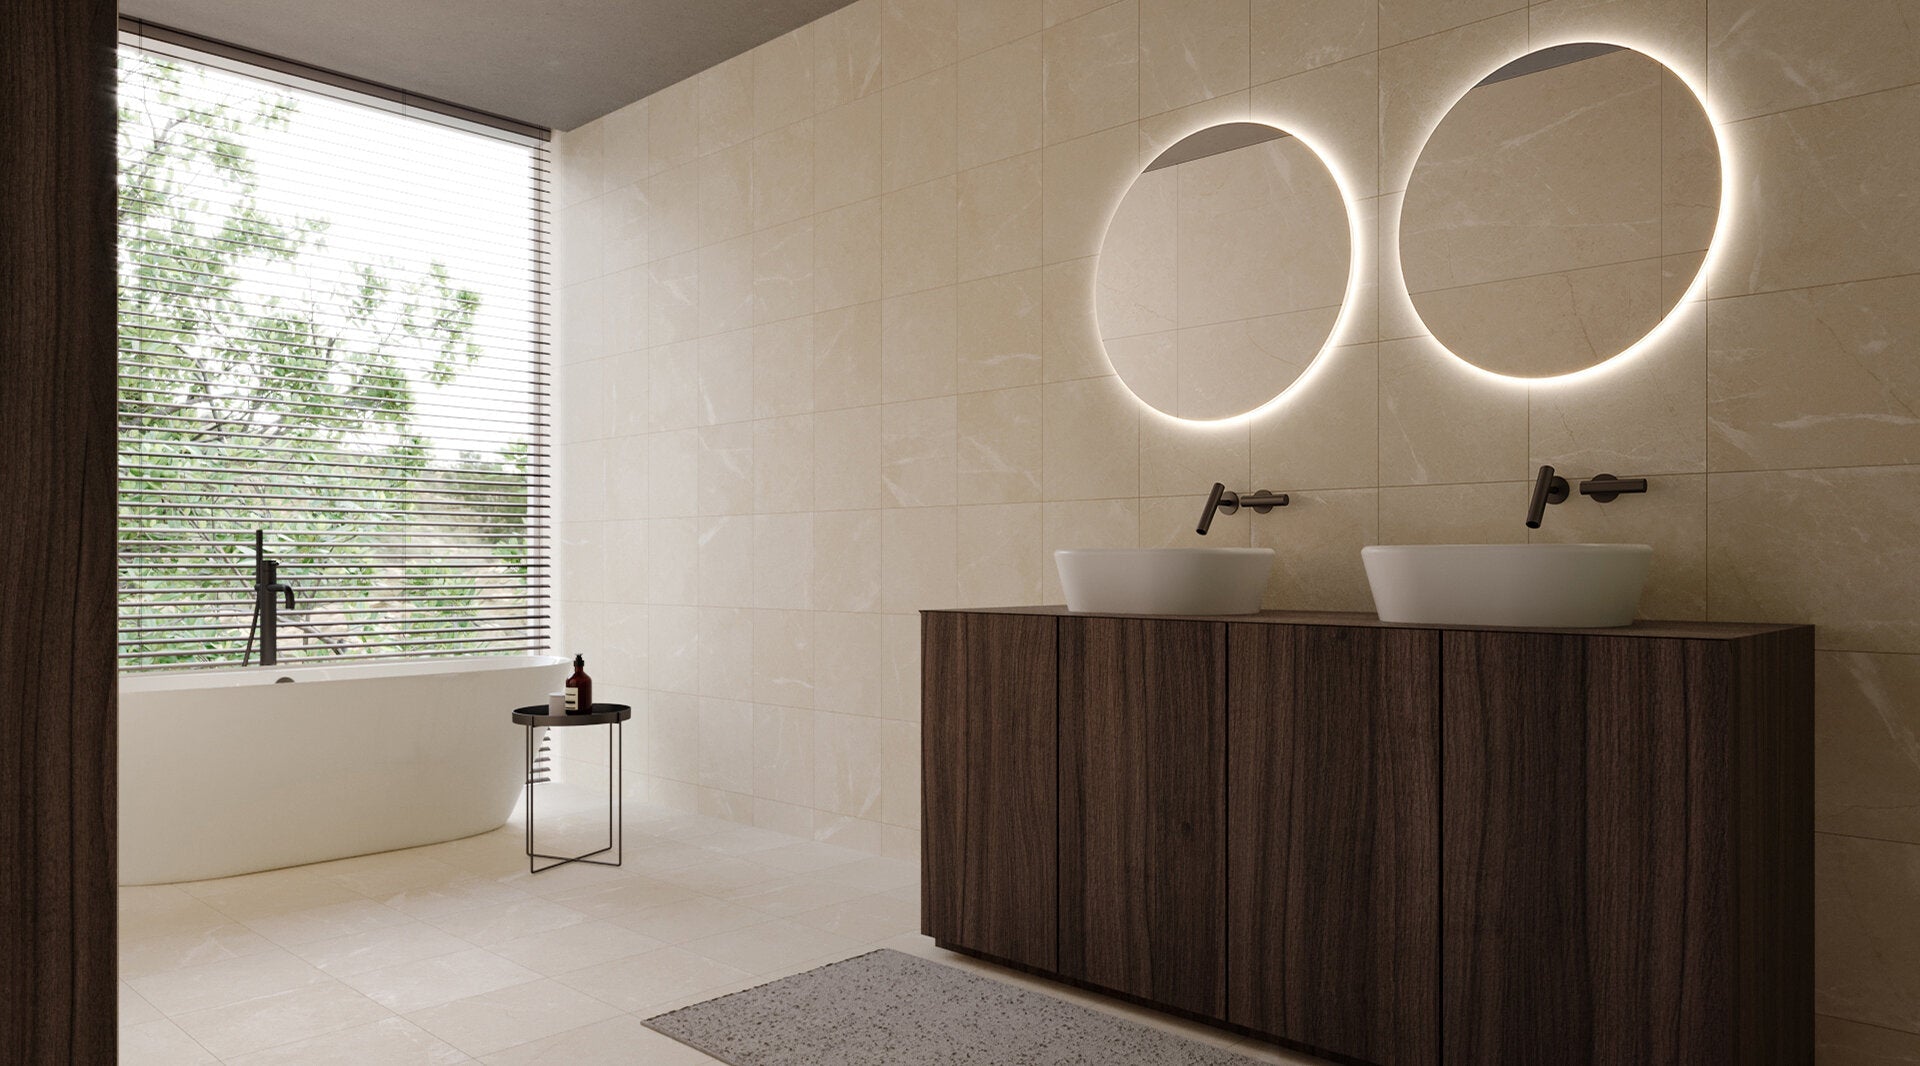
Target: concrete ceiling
(553, 63)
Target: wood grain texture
(1359, 620)
(1333, 845)
(58, 998)
(990, 780)
(1513, 950)
(1773, 848)
(1143, 809)
(1626, 849)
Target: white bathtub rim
(221, 677)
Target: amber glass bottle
(579, 688)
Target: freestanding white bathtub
(226, 772)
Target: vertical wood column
(989, 785)
(1143, 808)
(58, 1001)
(1333, 838)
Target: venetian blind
(333, 328)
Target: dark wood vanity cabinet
(1388, 844)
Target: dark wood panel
(1684, 630)
(57, 466)
(1143, 808)
(1658, 866)
(1773, 848)
(1333, 853)
(990, 781)
(1514, 959)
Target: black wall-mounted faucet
(1221, 499)
(1548, 487)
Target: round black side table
(610, 715)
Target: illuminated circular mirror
(1222, 274)
(1560, 210)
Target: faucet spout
(1220, 499)
(1548, 487)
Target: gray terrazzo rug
(888, 1008)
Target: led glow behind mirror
(1560, 210)
(1223, 272)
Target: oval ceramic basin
(1164, 580)
(1559, 586)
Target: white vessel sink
(1164, 580)
(1560, 586)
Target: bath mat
(888, 1008)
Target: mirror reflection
(1222, 274)
(1560, 210)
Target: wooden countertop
(1649, 628)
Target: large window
(332, 330)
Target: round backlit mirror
(1560, 210)
(1222, 274)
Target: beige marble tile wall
(827, 357)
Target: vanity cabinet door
(989, 779)
(1593, 834)
(1333, 840)
(1143, 808)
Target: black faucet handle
(288, 590)
(1605, 488)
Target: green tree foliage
(265, 385)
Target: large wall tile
(1000, 335)
(1335, 109)
(849, 663)
(846, 157)
(846, 567)
(1867, 745)
(846, 357)
(917, 130)
(1290, 36)
(1092, 440)
(919, 237)
(1179, 457)
(999, 449)
(1404, 20)
(1421, 79)
(846, 255)
(917, 36)
(1837, 548)
(918, 440)
(783, 80)
(1085, 179)
(999, 107)
(1866, 943)
(918, 345)
(725, 99)
(999, 561)
(848, 464)
(1326, 434)
(846, 54)
(783, 175)
(1821, 195)
(999, 217)
(1672, 31)
(1773, 55)
(1316, 540)
(1192, 50)
(1645, 420)
(919, 562)
(1815, 377)
(783, 659)
(1441, 422)
(1490, 513)
(783, 460)
(1092, 72)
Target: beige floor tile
(675, 923)
(414, 986)
(377, 948)
(269, 1021)
(642, 982)
(575, 947)
(143, 956)
(774, 945)
(481, 1025)
(500, 922)
(217, 984)
(388, 1042)
(615, 1042)
(293, 928)
(162, 1043)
